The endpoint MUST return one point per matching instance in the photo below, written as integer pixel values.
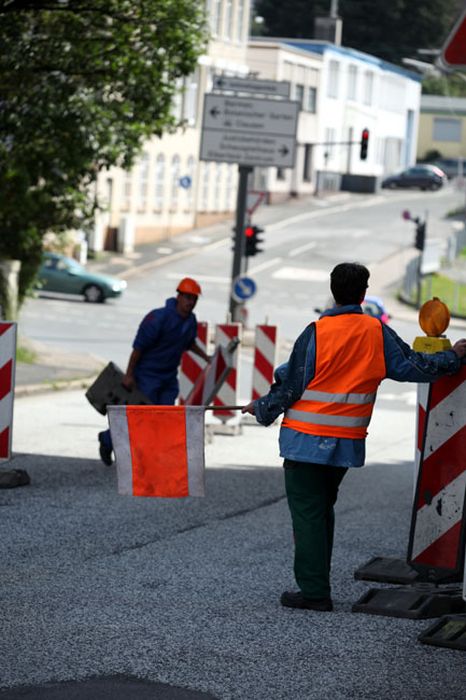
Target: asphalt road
(133, 598)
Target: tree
(83, 83)
(391, 30)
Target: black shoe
(105, 452)
(297, 600)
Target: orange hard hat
(189, 286)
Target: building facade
(442, 127)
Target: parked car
(372, 306)
(452, 167)
(425, 177)
(66, 276)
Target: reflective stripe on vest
(349, 366)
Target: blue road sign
(243, 288)
(185, 182)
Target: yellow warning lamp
(434, 317)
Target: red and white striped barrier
(192, 365)
(228, 393)
(265, 359)
(210, 379)
(7, 386)
(437, 529)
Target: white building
(360, 91)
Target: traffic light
(420, 239)
(252, 240)
(364, 144)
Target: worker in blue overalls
(162, 338)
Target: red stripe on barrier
(4, 443)
(442, 467)
(6, 373)
(445, 386)
(4, 327)
(421, 423)
(443, 553)
(263, 365)
(191, 368)
(270, 332)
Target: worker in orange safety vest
(327, 391)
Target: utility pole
(238, 250)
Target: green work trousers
(312, 490)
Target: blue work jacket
(162, 337)
(291, 378)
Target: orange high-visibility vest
(349, 366)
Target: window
(175, 185)
(190, 98)
(217, 17)
(307, 162)
(240, 20)
(368, 87)
(127, 187)
(311, 105)
(330, 138)
(189, 190)
(446, 129)
(352, 82)
(281, 174)
(205, 187)
(333, 78)
(177, 102)
(229, 187)
(217, 186)
(143, 181)
(159, 182)
(299, 94)
(228, 19)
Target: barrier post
(437, 535)
(7, 386)
(191, 364)
(265, 359)
(228, 392)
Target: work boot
(105, 451)
(297, 600)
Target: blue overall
(162, 337)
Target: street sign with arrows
(249, 131)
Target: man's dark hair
(348, 282)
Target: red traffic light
(249, 231)
(364, 144)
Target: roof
(321, 47)
(443, 103)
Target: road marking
(301, 274)
(302, 248)
(264, 266)
(199, 278)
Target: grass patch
(456, 213)
(452, 293)
(25, 355)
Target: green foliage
(447, 85)
(83, 83)
(391, 30)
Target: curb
(49, 386)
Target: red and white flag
(159, 450)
